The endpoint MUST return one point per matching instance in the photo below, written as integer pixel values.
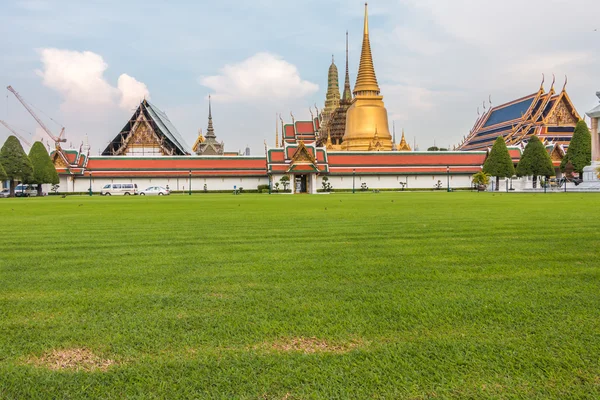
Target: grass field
(391, 295)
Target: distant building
(549, 115)
(209, 146)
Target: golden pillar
(367, 119)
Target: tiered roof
(549, 115)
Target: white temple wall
(393, 181)
(82, 184)
(69, 184)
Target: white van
(119, 189)
(24, 190)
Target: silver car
(5, 193)
(155, 191)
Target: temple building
(208, 145)
(348, 146)
(367, 126)
(360, 120)
(549, 115)
(333, 129)
(149, 132)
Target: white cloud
(262, 76)
(79, 78)
(132, 91)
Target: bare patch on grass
(72, 360)
(309, 346)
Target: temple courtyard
(371, 295)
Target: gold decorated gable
(556, 154)
(563, 113)
(303, 156)
(59, 161)
(143, 136)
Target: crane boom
(58, 139)
(15, 133)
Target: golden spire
(347, 97)
(366, 81)
(403, 145)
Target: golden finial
(542, 84)
(565, 85)
(366, 81)
(403, 145)
(553, 82)
(293, 120)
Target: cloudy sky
(86, 64)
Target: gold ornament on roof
(403, 145)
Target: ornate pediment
(59, 161)
(144, 135)
(302, 155)
(556, 154)
(563, 114)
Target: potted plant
(480, 181)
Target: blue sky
(86, 63)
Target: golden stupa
(367, 119)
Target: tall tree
(535, 161)
(43, 168)
(499, 163)
(3, 175)
(15, 162)
(580, 149)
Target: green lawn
(391, 295)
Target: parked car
(155, 191)
(119, 189)
(5, 193)
(24, 190)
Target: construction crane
(57, 139)
(15, 133)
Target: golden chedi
(367, 119)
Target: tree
(480, 179)
(499, 163)
(3, 175)
(580, 149)
(16, 164)
(43, 167)
(535, 161)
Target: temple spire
(366, 81)
(347, 97)
(332, 100)
(210, 132)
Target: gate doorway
(301, 184)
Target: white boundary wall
(74, 184)
(69, 184)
